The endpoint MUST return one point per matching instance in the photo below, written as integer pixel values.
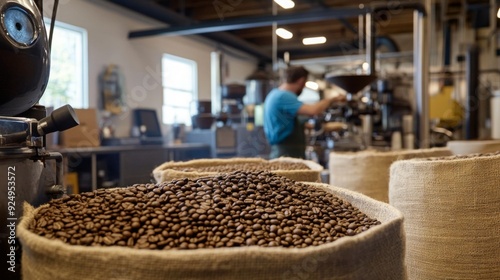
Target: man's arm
(319, 107)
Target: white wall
(108, 26)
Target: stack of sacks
(451, 208)
(367, 172)
(292, 168)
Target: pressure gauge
(19, 26)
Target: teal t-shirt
(280, 110)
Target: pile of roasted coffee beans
(227, 210)
(232, 167)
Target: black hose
(52, 21)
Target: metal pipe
(275, 40)
(59, 168)
(493, 39)
(420, 83)
(425, 26)
(472, 81)
(58, 189)
(416, 74)
(216, 82)
(370, 43)
(447, 44)
(361, 32)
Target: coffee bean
(57, 226)
(86, 240)
(244, 208)
(136, 225)
(155, 222)
(256, 227)
(273, 228)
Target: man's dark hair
(294, 73)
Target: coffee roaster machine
(28, 172)
(236, 129)
(372, 113)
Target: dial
(19, 26)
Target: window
(309, 96)
(179, 76)
(68, 67)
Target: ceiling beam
(214, 29)
(250, 22)
(266, 20)
(165, 15)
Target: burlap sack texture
(452, 215)
(165, 172)
(377, 254)
(367, 172)
(467, 147)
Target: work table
(125, 165)
(107, 149)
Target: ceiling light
(498, 13)
(314, 40)
(285, 4)
(283, 33)
(365, 66)
(312, 85)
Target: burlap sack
(367, 172)
(165, 172)
(464, 147)
(452, 216)
(375, 254)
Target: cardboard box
(71, 182)
(86, 134)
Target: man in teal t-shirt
(282, 128)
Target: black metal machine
(339, 129)
(28, 173)
(367, 119)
